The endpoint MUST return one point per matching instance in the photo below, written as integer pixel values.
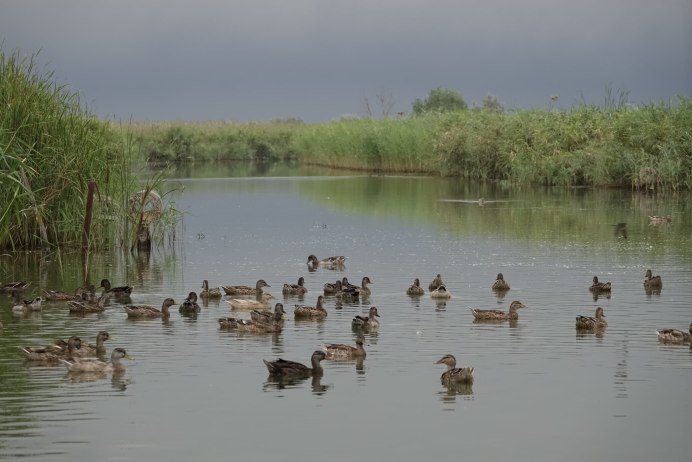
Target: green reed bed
(50, 148)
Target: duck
(87, 349)
(117, 292)
(454, 374)
(364, 290)
(260, 302)
(500, 285)
(497, 315)
(259, 327)
(336, 261)
(246, 290)
(435, 283)
(292, 369)
(207, 292)
(267, 316)
(313, 312)
(96, 365)
(367, 323)
(332, 289)
(52, 353)
(652, 282)
(228, 323)
(415, 288)
(659, 220)
(60, 296)
(295, 289)
(342, 351)
(349, 292)
(675, 336)
(596, 322)
(599, 286)
(87, 304)
(147, 311)
(440, 292)
(9, 287)
(25, 306)
(190, 306)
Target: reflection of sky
(316, 60)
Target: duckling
(497, 315)
(599, 286)
(24, 306)
(588, 322)
(10, 287)
(87, 304)
(368, 323)
(190, 306)
(52, 353)
(120, 292)
(295, 289)
(500, 285)
(435, 283)
(329, 262)
(206, 292)
(267, 316)
(96, 365)
(440, 293)
(415, 288)
(341, 351)
(652, 282)
(675, 336)
(292, 369)
(454, 374)
(149, 312)
(246, 290)
(312, 312)
(87, 349)
(259, 327)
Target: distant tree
(440, 100)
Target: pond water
(542, 390)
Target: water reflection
(282, 383)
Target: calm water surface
(542, 391)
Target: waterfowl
(190, 306)
(656, 220)
(60, 296)
(454, 374)
(9, 287)
(599, 286)
(367, 323)
(497, 315)
(364, 290)
(342, 351)
(440, 293)
(25, 306)
(267, 316)
(312, 312)
(259, 327)
(295, 289)
(500, 285)
(435, 283)
(596, 322)
(96, 365)
(228, 323)
(332, 289)
(676, 336)
(147, 311)
(652, 282)
(87, 304)
(292, 369)
(415, 288)
(261, 302)
(87, 349)
(246, 290)
(117, 292)
(53, 352)
(328, 262)
(206, 292)
(349, 292)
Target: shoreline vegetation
(52, 147)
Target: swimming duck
(596, 322)
(440, 292)
(349, 292)
(295, 289)
(292, 369)
(454, 374)
(96, 365)
(206, 292)
(190, 306)
(228, 323)
(259, 327)
(332, 289)
(260, 302)
(599, 286)
(415, 288)
(147, 311)
(267, 316)
(329, 262)
(120, 292)
(367, 323)
(435, 283)
(364, 290)
(60, 296)
(246, 290)
(500, 285)
(312, 312)
(674, 336)
(656, 220)
(25, 306)
(652, 282)
(9, 287)
(87, 304)
(53, 352)
(497, 315)
(87, 349)
(342, 351)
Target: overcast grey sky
(321, 59)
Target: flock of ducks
(78, 356)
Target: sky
(320, 60)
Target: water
(542, 391)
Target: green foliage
(440, 100)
